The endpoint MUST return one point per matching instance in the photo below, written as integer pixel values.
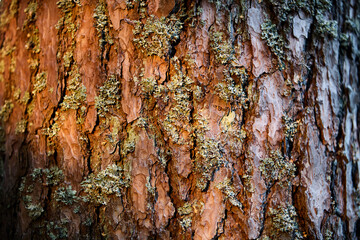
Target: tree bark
(222, 119)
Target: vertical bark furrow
(208, 119)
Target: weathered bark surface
(179, 119)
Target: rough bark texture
(175, 119)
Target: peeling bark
(179, 119)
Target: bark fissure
(207, 119)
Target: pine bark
(223, 119)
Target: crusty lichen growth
(110, 181)
(76, 95)
(178, 117)
(21, 126)
(109, 96)
(229, 191)
(7, 50)
(223, 49)
(231, 88)
(6, 15)
(34, 210)
(325, 27)
(130, 4)
(148, 85)
(276, 168)
(284, 221)
(130, 141)
(75, 90)
(102, 25)
(25, 99)
(273, 39)
(115, 126)
(66, 195)
(187, 212)
(37, 179)
(156, 36)
(329, 235)
(57, 230)
(33, 41)
(150, 189)
(40, 82)
(185, 222)
(283, 9)
(291, 127)
(54, 176)
(186, 209)
(53, 130)
(48, 176)
(6, 110)
(208, 153)
(234, 135)
(247, 177)
(178, 92)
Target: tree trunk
(222, 119)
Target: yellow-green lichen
(109, 96)
(156, 36)
(25, 99)
(208, 154)
(291, 127)
(283, 9)
(34, 210)
(130, 4)
(6, 110)
(186, 209)
(68, 59)
(276, 168)
(54, 176)
(234, 134)
(66, 195)
(147, 85)
(12, 67)
(222, 48)
(36, 180)
(76, 95)
(130, 141)
(329, 235)
(178, 117)
(6, 15)
(273, 39)
(33, 63)
(33, 41)
(52, 131)
(185, 222)
(231, 87)
(284, 221)
(99, 187)
(229, 191)
(150, 189)
(21, 126)
(102, 24)
(57, 230)
(325, 27)
(187, 212)
(247, 177)
(17, 94)
(115, 127)
(40, 82)
(66, 6)
(75, 90)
